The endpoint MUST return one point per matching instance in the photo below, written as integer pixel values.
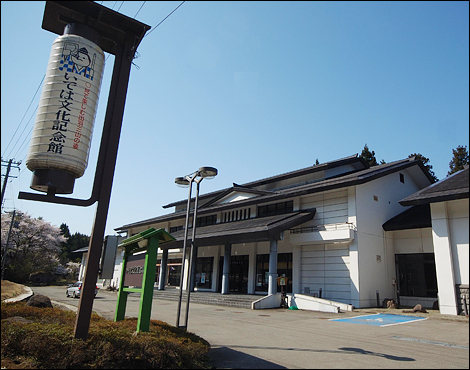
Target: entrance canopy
(244, 231)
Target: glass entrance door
(238, 277)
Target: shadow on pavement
(364, 352)
(227, 358)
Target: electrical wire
(139, 9)
(163, 20)
(40, 84)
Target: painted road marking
(381, 319)
(431, 342)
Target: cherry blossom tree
(33, 246)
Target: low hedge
(42, 338)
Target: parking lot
(297, 339)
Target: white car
(75, 289)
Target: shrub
(43, 338)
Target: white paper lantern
(62, 133)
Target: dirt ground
(11, 290)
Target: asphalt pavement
(297, 339)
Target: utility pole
(4, 255)
(10, 163)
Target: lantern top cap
(113, 28)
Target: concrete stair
(213, 298)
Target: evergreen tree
(64, 230)
(425, 161)
(369, 156)
(73, 242)
(459, 159)
(77, 241)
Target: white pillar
(443, 257)
(353, 250)
(163, 270)
(272, 287)
(226, 269)
(296, 268)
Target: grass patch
(11, 290)
(42, 338)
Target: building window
(284, 268)
(276, 209)
(206, 220)
(402, 178)
(174, 229)
(204, 270)
(242, 214)
(173, 271)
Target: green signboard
(138, 273)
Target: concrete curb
(68, 306)
(30, 293)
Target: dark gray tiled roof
(244, 231)
(336, 182)
(413, 218)
(452, 187)
(357, 162)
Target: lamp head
(182, 182)
(208, 172)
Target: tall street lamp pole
(197, 177)
(184, 181)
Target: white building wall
(117, 268)
(444, 259)
(235, 197)
(458, 213)
(81, 272)
(376, 203)
(331, 207)
(411, 241)
(451, 241)
(326, 267)
(353, 249)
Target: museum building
(340, 230)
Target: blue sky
(254, 89)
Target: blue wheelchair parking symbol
(381, 319)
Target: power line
(40, 84)
(25, 138)
(19, 125)
(163, 20)
(139, 9)
(119, 6)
